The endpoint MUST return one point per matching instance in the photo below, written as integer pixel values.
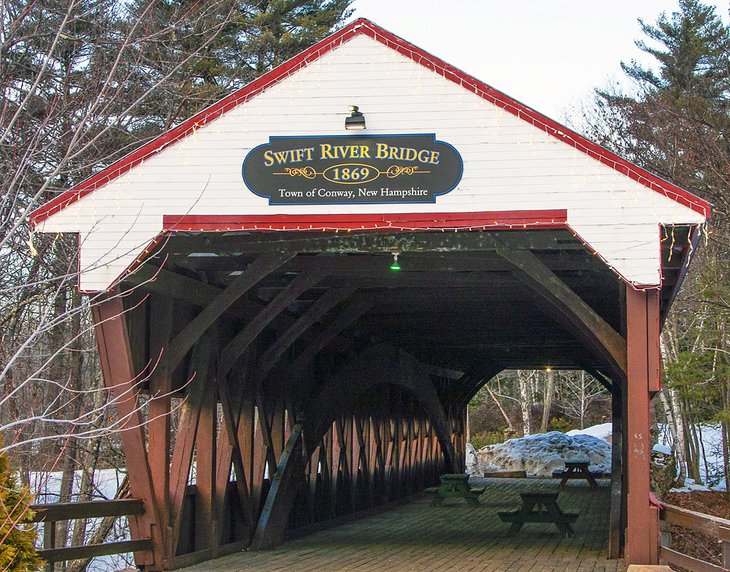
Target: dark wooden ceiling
(456, 303)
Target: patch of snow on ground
(542, 454)
(659, 448)
(711, 471)
(602, 431)
(47, 486)
(690, 485)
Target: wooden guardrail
(51, 513)
(713, 526)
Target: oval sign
(352, 169)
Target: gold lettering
(325, 151)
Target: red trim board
(363, 26)
(493, 220)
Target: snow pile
(602, 431)
(663, 449)
(540, 455)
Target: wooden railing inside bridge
(716, 528)
(49, 514)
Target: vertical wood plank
(185, 437)
(205, 446)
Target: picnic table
(455, 485)
(576, 469)
(539, 507)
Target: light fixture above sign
(356, 120)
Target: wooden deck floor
(453, 536)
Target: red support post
(159, 415)
(642, 314)
(120, 378)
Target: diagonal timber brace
(569, 308)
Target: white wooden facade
(511, 163)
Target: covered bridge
(327, 287)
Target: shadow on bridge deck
(453, 536)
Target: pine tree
(17, 553)
(222, 46)
(676, 123)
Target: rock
(663, 475)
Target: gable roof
(368, 28)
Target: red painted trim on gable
(363, 26)
(489, 220)
(198, 120)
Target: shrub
(485, 438)
(17, 553)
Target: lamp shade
(356, 120)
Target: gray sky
(548, 54)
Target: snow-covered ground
(713, 477)
(46, 487)
(540, 455)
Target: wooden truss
(271, 383)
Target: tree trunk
(501, 409)
(525, 401)
(676, 429)
(548, 402)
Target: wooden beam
(371, 242)
(471, 390)
(296, 287)
(588, 326)
(444, 372)
(284, 486)
(603, 379)
(642, 531)
(230, 450)
(347, 316)
(121, 380)
(159, 412)
(324, 304)
(616, 511)
(254, 273)
(423, 261)
(185, 289)
(206, 523)
(186, 433)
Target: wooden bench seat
(575, 469)
(518, 516)
(454, 486)
(539, 507)
(505, 475)
(572, 475)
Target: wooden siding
(508, 165)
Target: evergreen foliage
(17, 553)
(676, 123)
(234, 42)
